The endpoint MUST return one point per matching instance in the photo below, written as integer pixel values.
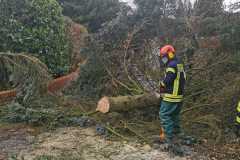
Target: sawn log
(126, 103)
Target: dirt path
(14, 138)
(84, 144)
(75, 143)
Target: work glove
(162, 87)
(162, 90)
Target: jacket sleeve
(169, 77)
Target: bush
(91, 13)
(35, 27)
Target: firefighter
(238, 120)
(172, 91)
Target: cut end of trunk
(103, 105)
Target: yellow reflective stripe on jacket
(176, 84)
(172, 98)
(238, 119)
(238, 107)
(176, 81)
(169, 69)
(180, 68)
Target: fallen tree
(126, 103)
(31, 78)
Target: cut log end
(103, 105)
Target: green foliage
(156, 8)
(230, 32)
(29, 76)
(161, 19)
(206, 8)
(210, 26)
(92, 75)
(35, 27)
(100, 52)
(36, 115)
(91, 13)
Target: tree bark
(126, 103)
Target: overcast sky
(227, 2)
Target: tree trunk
(126, 103)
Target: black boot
(173, 147)
(185, 139)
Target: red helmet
(165, 50)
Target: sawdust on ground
(85, 144)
